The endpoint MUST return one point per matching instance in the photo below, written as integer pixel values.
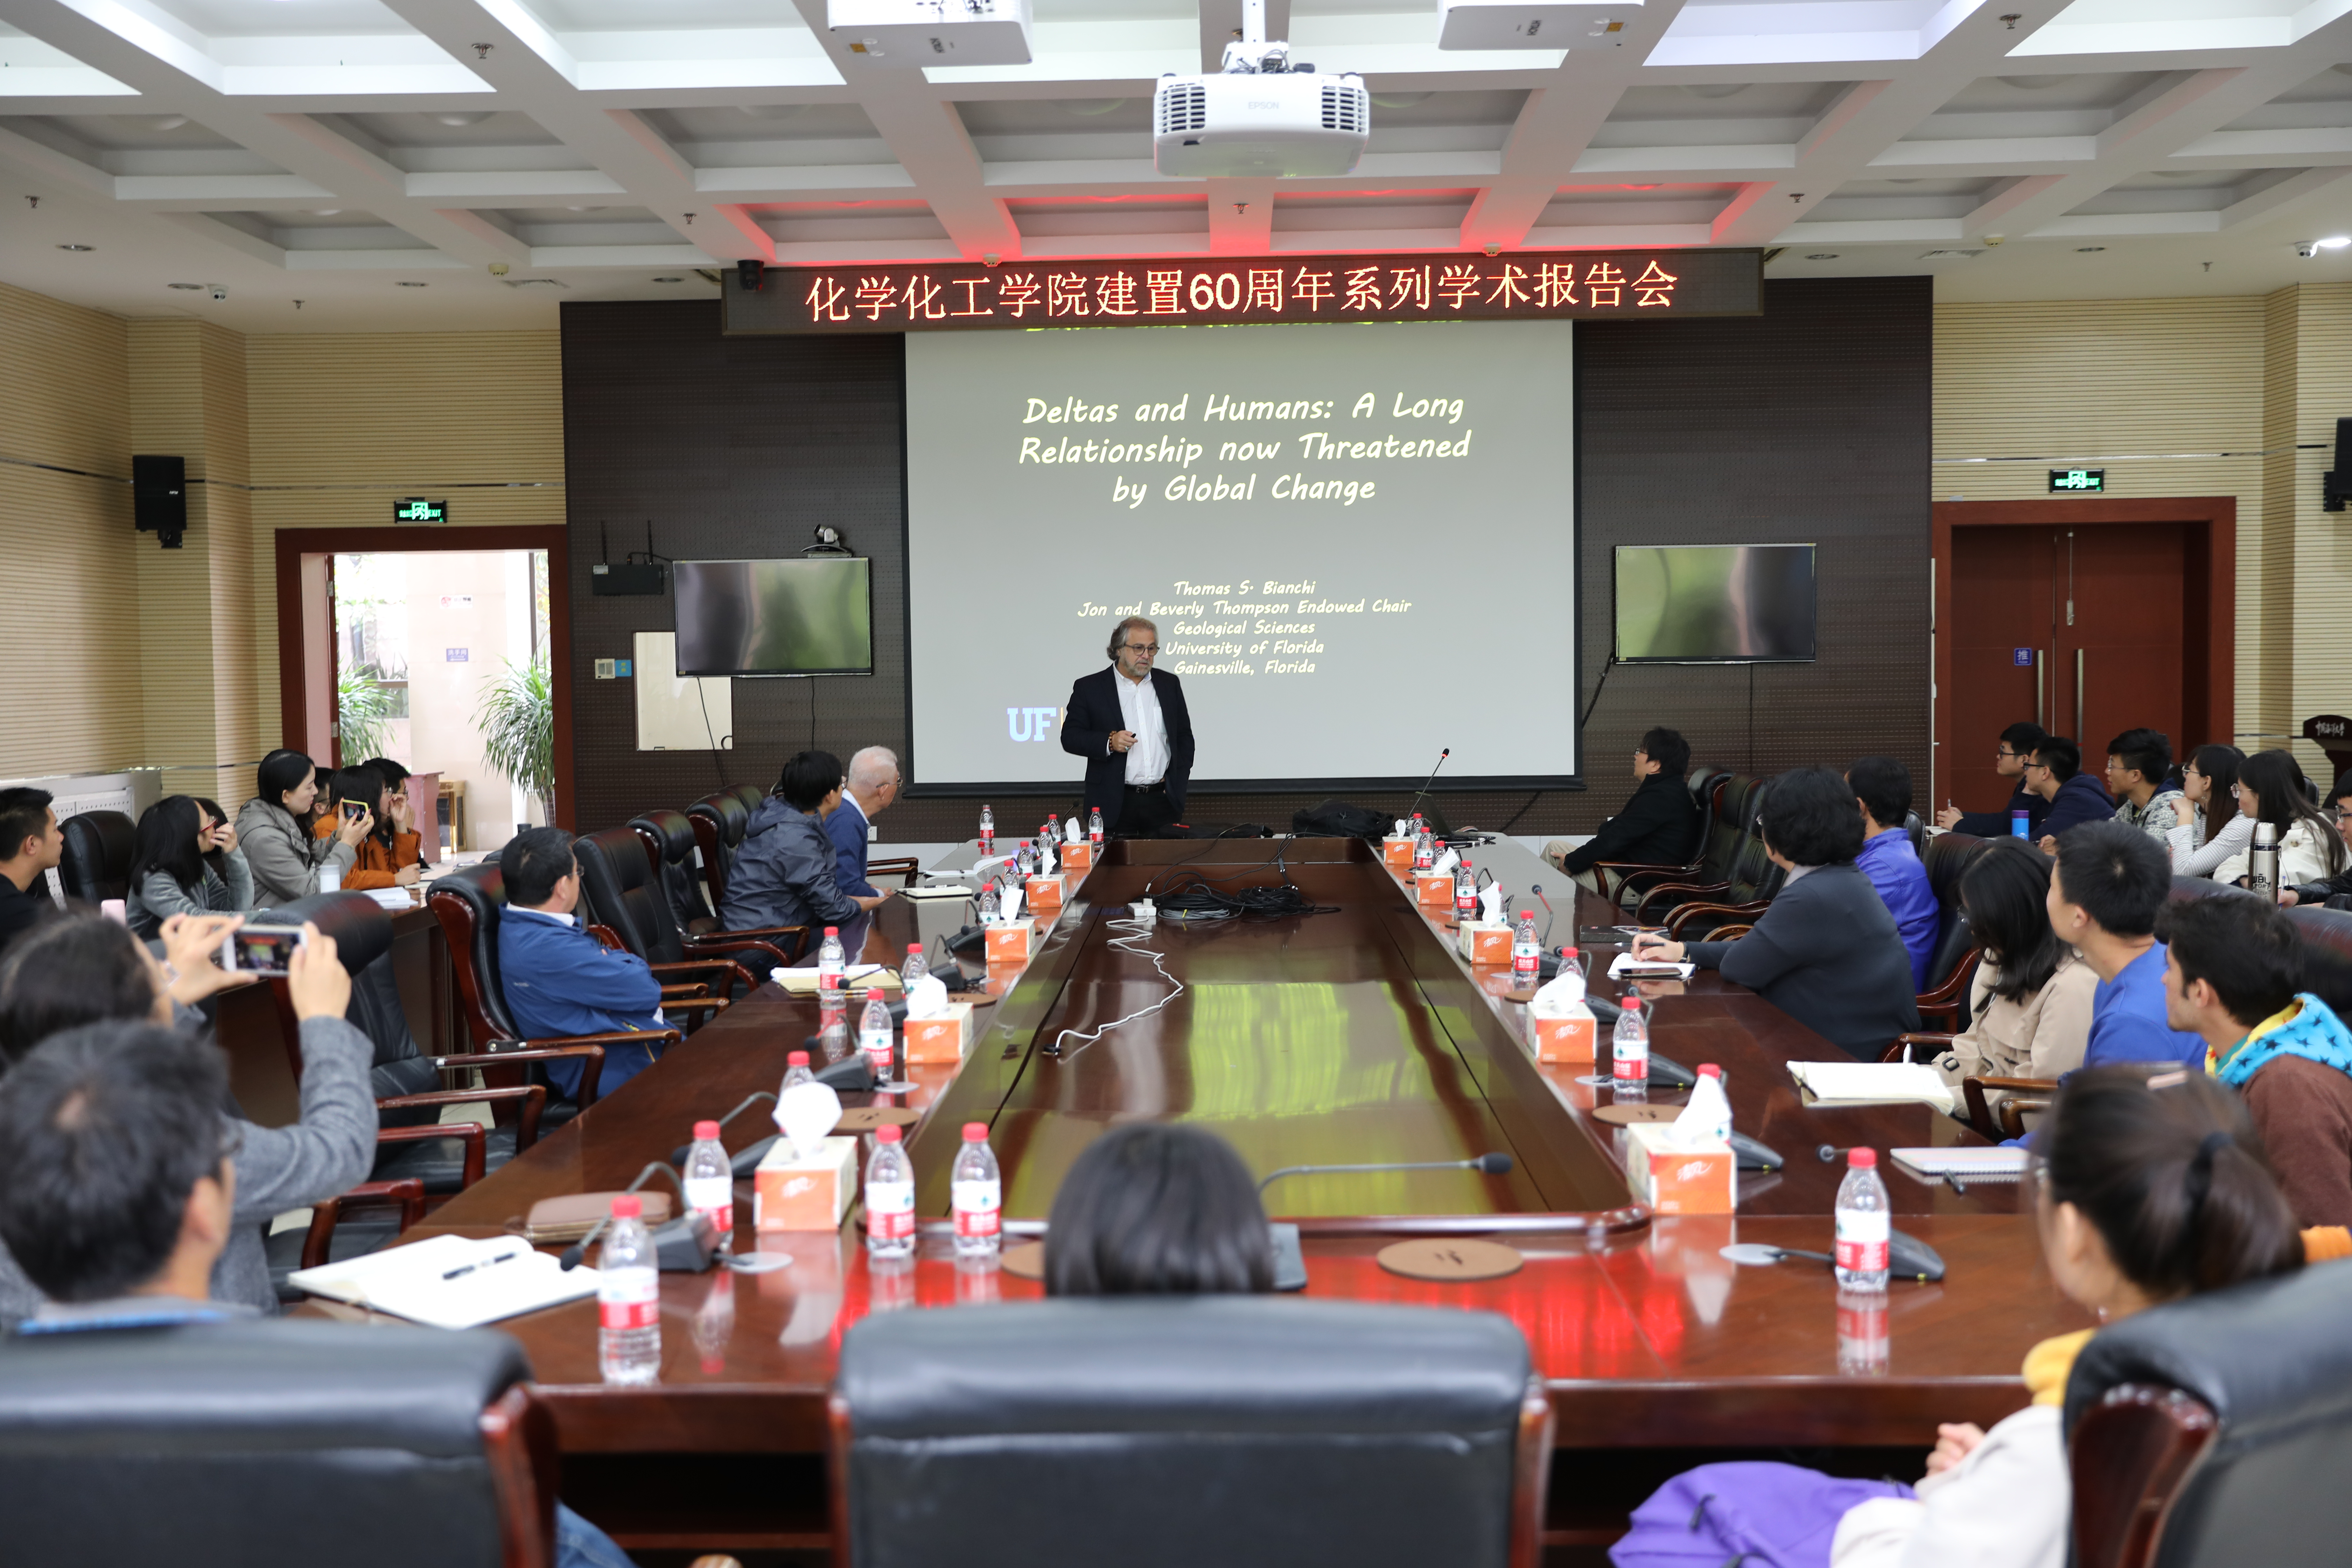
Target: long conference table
(1353, 1034)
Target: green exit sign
(415, 508)
(2081, 482)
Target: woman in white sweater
(2209, 781)
(2269, 789)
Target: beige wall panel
(176, 598)
(64, 399)
(2322, 579)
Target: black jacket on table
(1093, 716)
(1659, 826)
(1995, 823)
(1827, 953)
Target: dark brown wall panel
(1811, 422)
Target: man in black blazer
(1131, 723)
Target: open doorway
(446, 652)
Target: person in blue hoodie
(560, 980)
(2104, 894)
(1882, 787)
(2056, 775)
(787, 873)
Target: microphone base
(687, 1246)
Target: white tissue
(804, 1114)
(1706, 1119)
(1008, 908)
(1070, 830)
(1447, 861)
(927, 998)
(1403, 828)
(1490, 904)
(1558, 997)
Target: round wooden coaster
(1626, 1115)
(866, 1117)
(1028, 1260)
(1432, 1258)
(1526, 995)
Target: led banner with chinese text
(1603, 285)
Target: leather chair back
(623, 894)
(670, 844)
(468, 902)
(1182, 1431)
(1917, 831)
(720, 823)
(1947, 859)
(2268, 1368)
(749, 795)
(97, 862)
(2323, 927)
(362, 931)
(273, 1444)
(2202, 888)
(1729, 826)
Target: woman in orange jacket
(388, 853)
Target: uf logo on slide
(1031, 723)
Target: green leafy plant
(517, 723)
(363, 712)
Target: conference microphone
(748, 1160)
(686, 1244)
(1432, 779)
(1494, 1165)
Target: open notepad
(504, 1275)
(1866, 1083)
(854, 976)
(1970, 1164)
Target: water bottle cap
(1708, 1069)
(833, 930)
(1862, 1159)
(628, 1206)
(975, 1131)
(886, 1134)
(703, 1130)
(913, 948)
(797, 1060)
(1631, 1005)
(1568, 951)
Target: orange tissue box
(1563, 1040)
(1486, 941)
(1044, 893)
(789, 1193)
(1397, 853)
(1077, 856)
(940, 1042)
(1434, 888)
(1679, 1181)
(1010, 942)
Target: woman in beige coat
(2029, 1006)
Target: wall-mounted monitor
(808, 617)
(1715, 603)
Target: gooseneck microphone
(579, 1249)
(1432, 779)
(1494, 1165)
(678, 1155)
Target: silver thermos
(2262, 865)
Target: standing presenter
(1131, 723)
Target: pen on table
(1957, 1185)
(483, 1263)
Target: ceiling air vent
(1949, 254)
(535, 283)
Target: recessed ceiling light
(1822, 256)
(190, 286)
(462, 117)
(2087, 249)
(324, 212)
(583, 209)
(408, 285)
(669, 280)
(169, 121)
(94, 248)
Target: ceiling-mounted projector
(1264, 115)
(911, 34)
(1533, 24)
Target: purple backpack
(1745, 1515)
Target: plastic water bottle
(916, 967)
(874, 1033)
(331, 878)
(796, 1073)
(628, 1297)
(987, 831)
(977, 1194)
(987, 903)
(1424, 846)
(889, 1197)
(1863, 1223)
(1465, 892)
(710, 1183)
(830, 963)
(2020, 824)
(1094, 828)
(1629, 1045)
(1527, 953)
(832, 1039)
(1049, 838)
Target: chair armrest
(2013, 1110)
(1981, 1115)
(1625, 871)
(905, 866)
(407, 1193)
(1900, 1051)
(1730, 932)
(558, 1047)
(736, 948)
(1693, 889)
(713, 965)
(1943, 1003)
(780, 940)
(609, 937)
(1684, 913)
(475, 1135)
(532, 1096)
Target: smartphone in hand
(259, 950)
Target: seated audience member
(1882, 787)
(2231, 976)
(121, 1193)
(2209, 784)
(2105, 892)
(2015, 750)
(403, 807)
(559, 979)
(873, 785)
(1659, 824)
(2074, 796)
(1825, 952)
(1158, 1208)
(2138, 761)
(82, 970)
(2030, 1003)
(2311, 850)
(2338, 808)
(168, 873)
(35, 843)
(385, 851)
(785, 874)
(274, 829)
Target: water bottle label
(976, 1206)
(628, 1297)
(713, 1196)
(1861, 1237)
(876, 1044)
(1630, 1064)
(890, 1210)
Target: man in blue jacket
(873, 785)
(2056, 775)
(559, 979)
(1882, 787)
(2105, 892)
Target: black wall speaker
(159, 498)
(2336, 486)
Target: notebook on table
(1970, 1163)
(451, 1281)
(1873, 1083)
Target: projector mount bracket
(1250, 53)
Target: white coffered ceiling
(330, 150)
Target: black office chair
(274, 1444)
(97, 862)
(1614, 879)
(670, 844)
(1753, 883)
(2213, 1430)
(1722, 835)
(620, 895)
(720, 823)
(1182, 1431)
(749, 795)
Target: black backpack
(1339, 820)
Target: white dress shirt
(1139, 712)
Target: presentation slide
(1358, 542)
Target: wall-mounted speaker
(2336, 486)
(750, 273)
(159, 498)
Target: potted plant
(517, 722)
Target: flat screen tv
(810, 616)
(1715, 603)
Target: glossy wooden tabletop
(1356, 1035)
